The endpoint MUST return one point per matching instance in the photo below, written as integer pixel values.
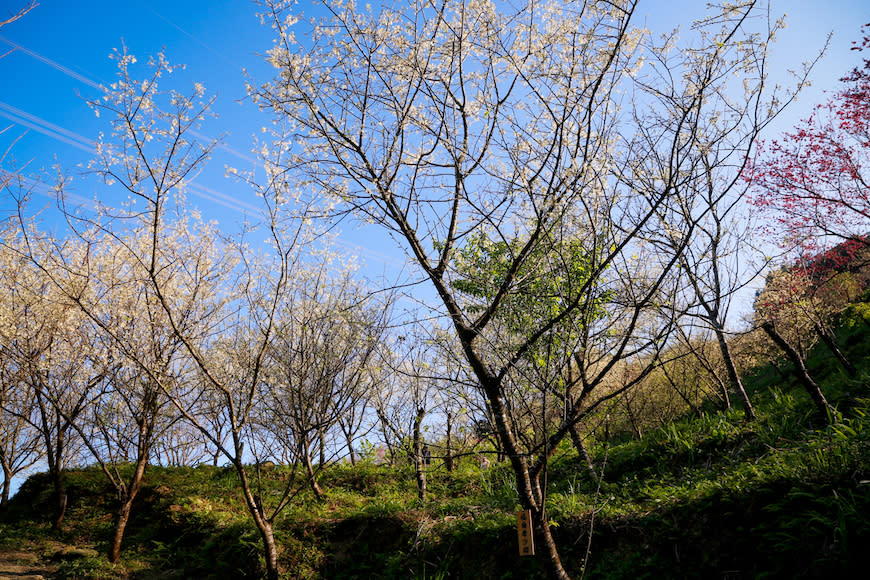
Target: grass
(786, 496)
(697, 498)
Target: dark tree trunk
(60, 498)
(551, 552)
(309, 469)
(526, 489)
(419, 468)
(321, 440)
(55, 468)
(733, 376)
(525, 486)
(7, 478)
(121, 519)
(351, 453)
(448, 451)
(835, 350)
(800, 370)
(264, 525)
(123, 514)
(7, 489)
(582, 453)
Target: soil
(19, 565)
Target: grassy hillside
(705, 497)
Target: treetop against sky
(58, 58)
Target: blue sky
(60, 54)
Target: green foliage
(761, 497)
(552, 280)
(87, 569)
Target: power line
(102, 88)
(68, 72)
(188, 34)
(80, 142)
(46, 127)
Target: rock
(73, 553)
(17, 565)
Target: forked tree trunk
(264, 526)
(309, 469)
(525, 486)
(800, 370)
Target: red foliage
(814, 180)
(816, 277)
(842, 257)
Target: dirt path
(19, 565)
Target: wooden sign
(524, 533)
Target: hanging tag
(524, 533)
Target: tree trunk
(492, 388)
(835, 350)
(121, 519)
(264, 526)
(525, 487)
(733, 376)
(123, 515)
(7, 488)
(800, 370)
(59, 497)
(419, 468)
(448, 451)
(385, 429)
(271, 549)
(312, 477)
(6, 465)
(55, 468)
(351, 453)
(582, 453)
(321, 441)
(726, 397)
(550, 552)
